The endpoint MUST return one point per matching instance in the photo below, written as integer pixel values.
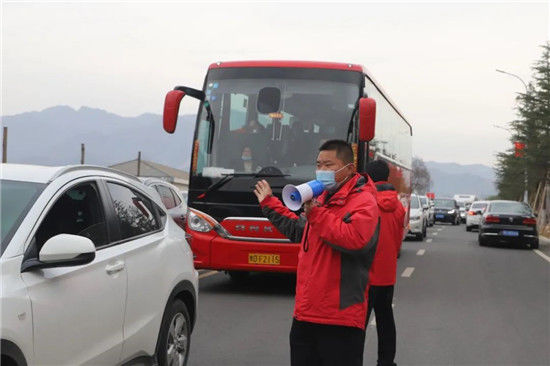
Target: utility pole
(139, 163)
(82, 153)
(526, 180)
(5, 146)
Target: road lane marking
(439, 229)
(429, 240)
(421, 252)
(434, 234)
(208, 274)
(547, 258)
(407, 272)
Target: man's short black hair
(378, 170)
(343, 150)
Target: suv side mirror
(367, 119)
(63, 250)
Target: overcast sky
(436, 60)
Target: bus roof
(301, 64)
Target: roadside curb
(544, 240)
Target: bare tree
(421, 180)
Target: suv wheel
(175, 335)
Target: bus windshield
(316, 105)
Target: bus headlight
(201, 222)
(198, 221)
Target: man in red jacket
(382, 271)
(338, 233)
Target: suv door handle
(114, 268)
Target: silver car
(171, 198)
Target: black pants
(380, 300)
(325, 345)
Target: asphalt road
(461, 304)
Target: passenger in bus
(338, 233)
(383, 270)
(249, 165)
(252, 127)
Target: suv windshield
(315, 105)
(513, 208)
(443, 203)
(414, 202)
(478, 206)
(16, 200)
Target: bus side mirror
(172, 105)
(171, 109)
(367, 119)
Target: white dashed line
(421, 252)
(439, 229)
(208, 274)
(407, 272)
(434, 234)
(547, 258)
(429, 240)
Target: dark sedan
(446, 210)
(508, 222)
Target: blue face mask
(246, 158)
(328, 178)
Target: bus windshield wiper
(216, 185)
(229, 176)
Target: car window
(166, 196)
(414, 202)
(444, 203)
(135, 212)
(78, 212)
(176, 197)
(16, 199)
(478, 206)
(513, 208)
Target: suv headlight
(415, 217)
(451, 212)
(201, 222)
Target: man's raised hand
(262, 190)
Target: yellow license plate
(260, 258)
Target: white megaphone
(295, 196)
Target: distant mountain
(452, 178)
(53, 137)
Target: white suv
(417, 218)
(92, 270)
(473, 217)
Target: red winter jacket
(392, 215)
(338, 242)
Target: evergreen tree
(532, 127)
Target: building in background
(148, 169)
